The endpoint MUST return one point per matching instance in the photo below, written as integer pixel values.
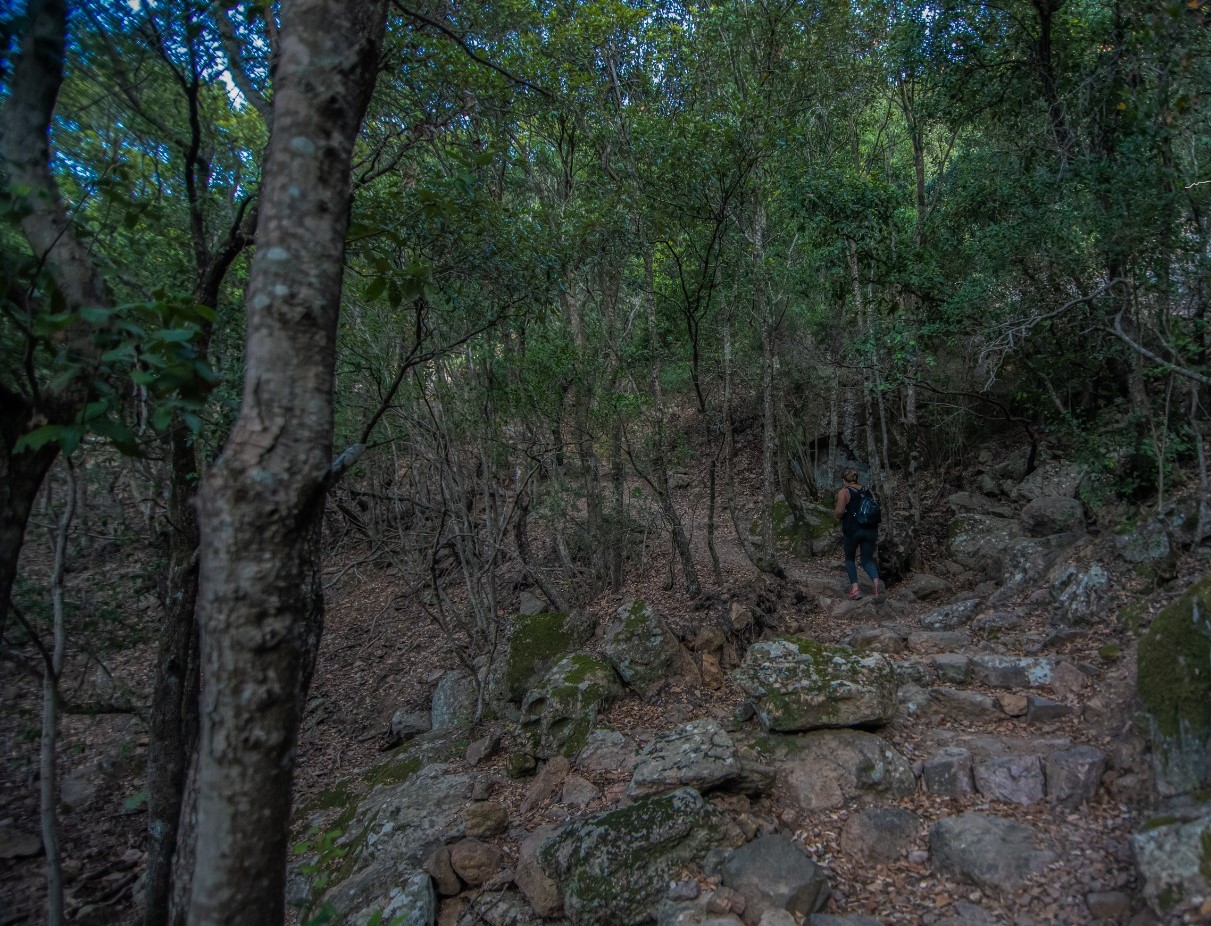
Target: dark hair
(850, 475)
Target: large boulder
(1025, 561)
(1175, 688)
(950, 616)
(1174, 862)
(454, 701)
(536, 642)
(798, 684)
(827, 768)
(990, 852)
(387, 839)
(699, 755)
(1146, 541)
(1057, 479)
(645, 651)
(613, 867)
(1080, 592)
(1050, 514)
(774, 873)
(557, 716)
(978, 542)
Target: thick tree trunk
(21, 475)
(260, 506)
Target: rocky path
(963, 750)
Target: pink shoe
(854, 594)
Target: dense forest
(545, 298)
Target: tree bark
(261, 504)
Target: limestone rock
(699, 755)
(997, 671)
(826, 768)
(948, 773)
(1073, 775)
(1175, 688)
(407, 724)
(498, 908)
(607, 751)
(1049, 515)
(950, 616)
(963, 705)
(395, 830)
(1044, 710)
(876, 638)
(990, 852)
(536, 643)
(773, 872)
(645, 651)
(1173, 862)
(538, 888)
(557, 716)
(1018, 779)
(1146, 542)
(1080, 593)
(578, 792)
(1056, 479)
(454, 701)
(1024, 563)
(411, 901)
(613, 867)
(798, 684)
(880, 834)
(990, 622)
(952, 667)
(926, 587)
(978, 542)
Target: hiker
(858, 510)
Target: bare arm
(842, 501)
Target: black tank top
(849, 523)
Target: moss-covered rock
(798, 684)
(536, 643)
(612, 868)
(556, 717)
(645, 651)
(1174, 671)
(1174, 862)
(813, 531)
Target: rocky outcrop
(645, 652)
(1057, 479)
(557, 716)
(1049, 515)
(1079, 592)
(700, 755)
(824, 769)
(612, 868)
(454, 701)
(1175, 688)
(1174, 862)
(536, 643)
(797, 684)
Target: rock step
(1067, 776)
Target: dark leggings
(866, 538)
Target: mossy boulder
(612, 868)
(646, 653)
(811, 531)
(536, 642)
(556, 717)
(1174, 678)
(797, 684)
(376, 862)
(1174, 862)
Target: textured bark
(260, 506)
(25, 154)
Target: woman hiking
(857, 534)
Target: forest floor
(381, 654)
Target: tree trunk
(261, 505)
(174, 707)
(659, 462)
(768, 441)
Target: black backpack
(869, 514)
